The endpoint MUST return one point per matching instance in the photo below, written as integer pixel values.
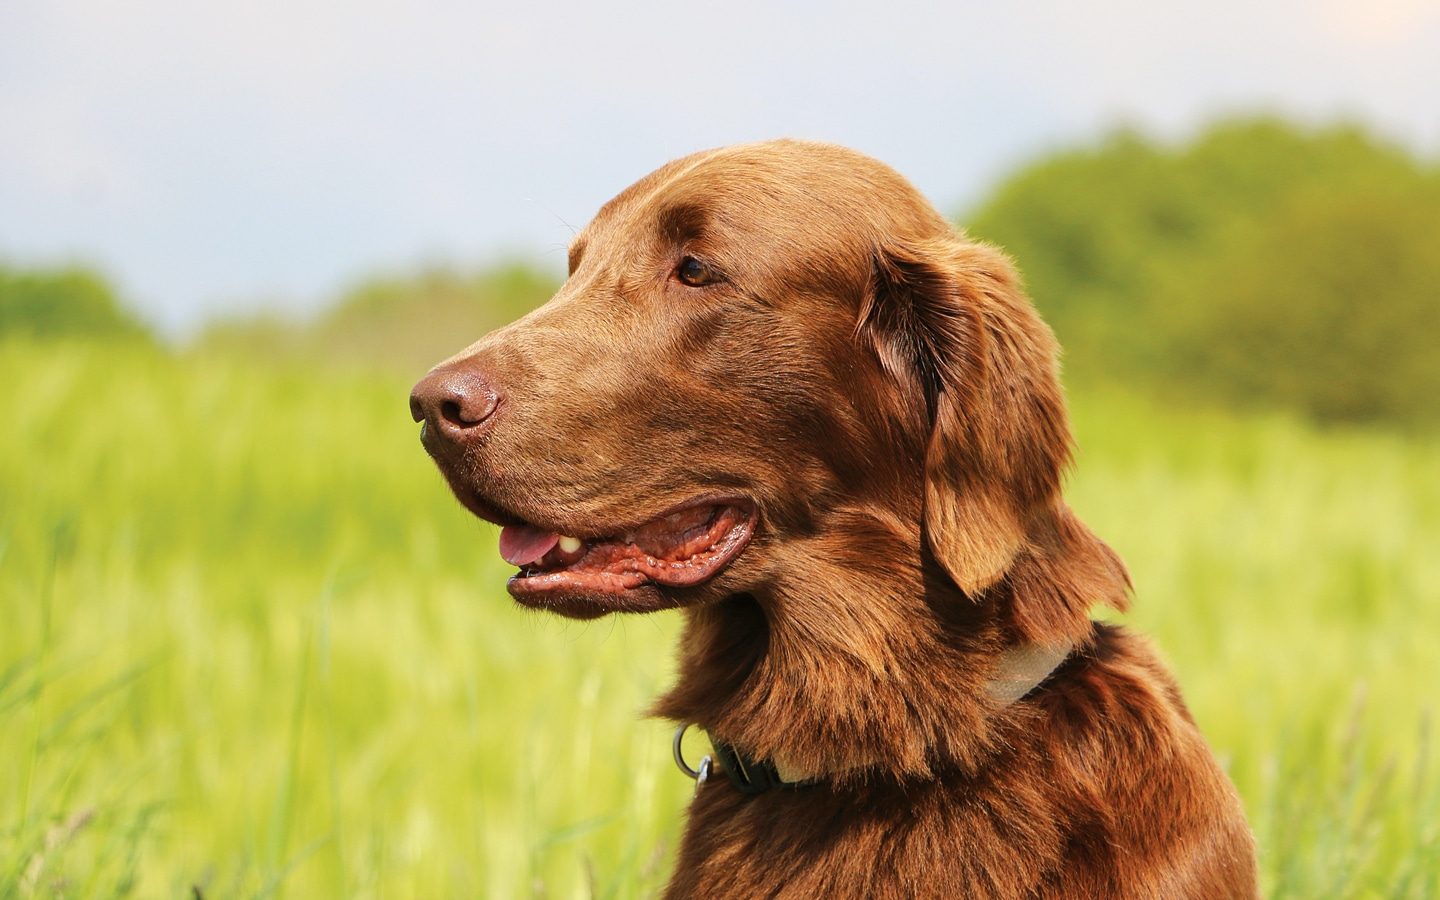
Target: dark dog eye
(693, 272)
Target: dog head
(767, 360)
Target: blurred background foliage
(405, 322)
(1257, 264)
(64, 301)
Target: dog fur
(883, 394)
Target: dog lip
(636, 586)
(582, 604)
(489, 510)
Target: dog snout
(454, 404)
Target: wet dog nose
(453, 403)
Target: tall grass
(249, 645)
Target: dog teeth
(569, 544)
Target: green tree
(1330, 304)
(1190, 267)
(59, 302)
(405, 322)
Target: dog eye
(693, 272)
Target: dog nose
(453, 403)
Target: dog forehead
(796, 192)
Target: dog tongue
(523, 544)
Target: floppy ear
(951, 313)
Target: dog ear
(948, 315)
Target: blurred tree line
(63, 301)
(403, 322)
(1257, 263)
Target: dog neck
(905, 681)
(1018, 671)
(872, 661)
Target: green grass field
(250, 644)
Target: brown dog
(779, 392)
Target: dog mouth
(683, 548)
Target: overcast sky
(215, 155)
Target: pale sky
(216, 155)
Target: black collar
(1019, 672)
(749, 776)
